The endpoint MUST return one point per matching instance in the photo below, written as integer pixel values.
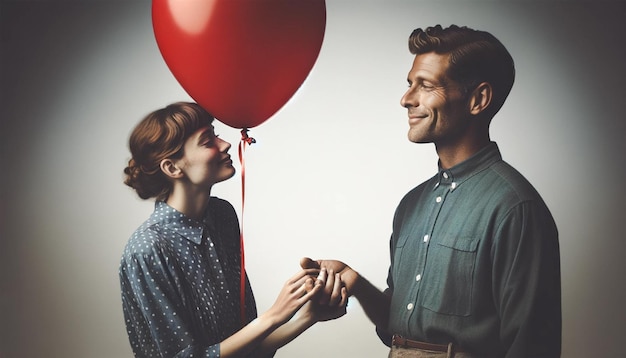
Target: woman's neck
(192, 203)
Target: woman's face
(206, 160)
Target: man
(475, 269)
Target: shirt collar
(478, 162)
(183, 225)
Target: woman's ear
(480, 98)
(170, 169)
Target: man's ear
(170, 168)
(480, 98)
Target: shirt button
(445, 175)
(426, 237)
(409, 306)
(418, 277)
(438, 199)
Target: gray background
(323, 179)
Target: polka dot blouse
(180, 283)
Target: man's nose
(409, 99)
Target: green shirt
(475, 261)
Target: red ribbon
(245, 140)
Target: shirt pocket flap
(401, 241)
(468, 244)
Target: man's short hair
(475, 57)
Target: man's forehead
(433, 63)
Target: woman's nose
(224, 145)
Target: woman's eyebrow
(205, 134)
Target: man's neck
(451, 155)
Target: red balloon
(241, 60)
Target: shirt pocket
(449, 276)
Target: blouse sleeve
(154, 308)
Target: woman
(180, 271)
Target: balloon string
(245, 140)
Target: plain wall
(325, 176)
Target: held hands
(340, 281)
(297, 291)
(321, 289)
(347, 275)
(331, 301)
(323, 295)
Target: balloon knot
(246, 138)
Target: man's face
(437, 107)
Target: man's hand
(346, 274)
(374, 302)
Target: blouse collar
(179, 222)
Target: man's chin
(416, 138)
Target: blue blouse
(180, 282)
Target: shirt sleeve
(398, 216)
(383, 335)
(154, 309)
(526, 282)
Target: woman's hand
(331, 302)
(297, 291)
